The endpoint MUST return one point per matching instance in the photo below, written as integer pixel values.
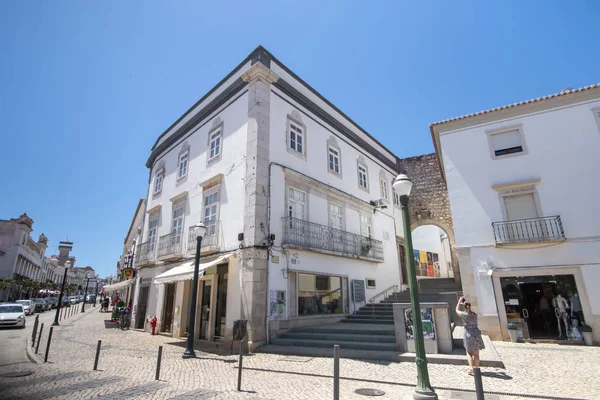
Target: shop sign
(128, 273)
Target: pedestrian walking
(472, 339)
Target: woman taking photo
(472, 335)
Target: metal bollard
(97, 355)
(48, 345)
(37, 346)
(34, 333)
(478, 383)
(158, 361)
(336, 372)
(240, 363)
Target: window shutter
(506, 140)
(520, 207)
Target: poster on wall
(426, 320)
(430, 270)
(417, 262)
(423, 260)
(277, 305)
(436, 265)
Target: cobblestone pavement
(128, 361)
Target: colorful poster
(426, 321)
(423, 256)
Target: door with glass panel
(152, 229)
(366, 228)
(211, 214)
(177, 227)
(297, 227)
(336, 223)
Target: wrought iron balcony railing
(170, 245)
(210, 239)
(145, 252)
(528, 230)
(309, 235)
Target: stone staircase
(369, 333)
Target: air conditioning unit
(379, 203)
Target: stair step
(375, 330)
(328, 352)
(374, 312)
(345, 337)
(368, 321)
(387, 316)
(331, 343)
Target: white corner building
(283, 181)
(524, 191)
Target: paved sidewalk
(128, 361)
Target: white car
(28, 306)
(12, 314)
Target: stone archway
(429, 203)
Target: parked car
(73, 299)
(12, 314)
(65, 302)
(28, 306)
(53, 301)
(40, 306)
(90, 298)
(48, 304)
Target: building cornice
(259, 71)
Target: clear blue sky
(86, 87)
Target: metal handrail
(315, 236)
(528, 230)
(383, 293)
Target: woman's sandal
(470, 372)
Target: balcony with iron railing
(145, 253)
(170, 246)
(210, 241)
(322, 238)
(530, 230)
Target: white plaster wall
(234, 299)
(205, 102)
(562, 151)
(231, 165)
(330, 110)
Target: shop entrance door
(220, 317)
(205, 309)
(140, 316)
(540, 306)
(167, 320)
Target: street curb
(30, 353)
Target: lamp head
(68, 264)
(200, 229)
(402, 185)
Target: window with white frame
(334, 160)
(336, 216)
(177, 222)
(210, 212)
(363, 180)
(183, 165)
(296, 137)
(152, 230)
(596, 112)
(506, 142)
(366, 225)
(158, 182)
(215, 144)
(296, 203)
(396, 198)
(383, 186)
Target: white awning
(117, 286)
(185, 271)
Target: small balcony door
(523, 207)
(336, 222)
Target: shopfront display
(543, 307)
(319, 294)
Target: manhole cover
(370, 392)
(16, 374)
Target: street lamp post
(199, 231)
(96, 292)
(402, 185)
(85, 294)
(62, 291)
